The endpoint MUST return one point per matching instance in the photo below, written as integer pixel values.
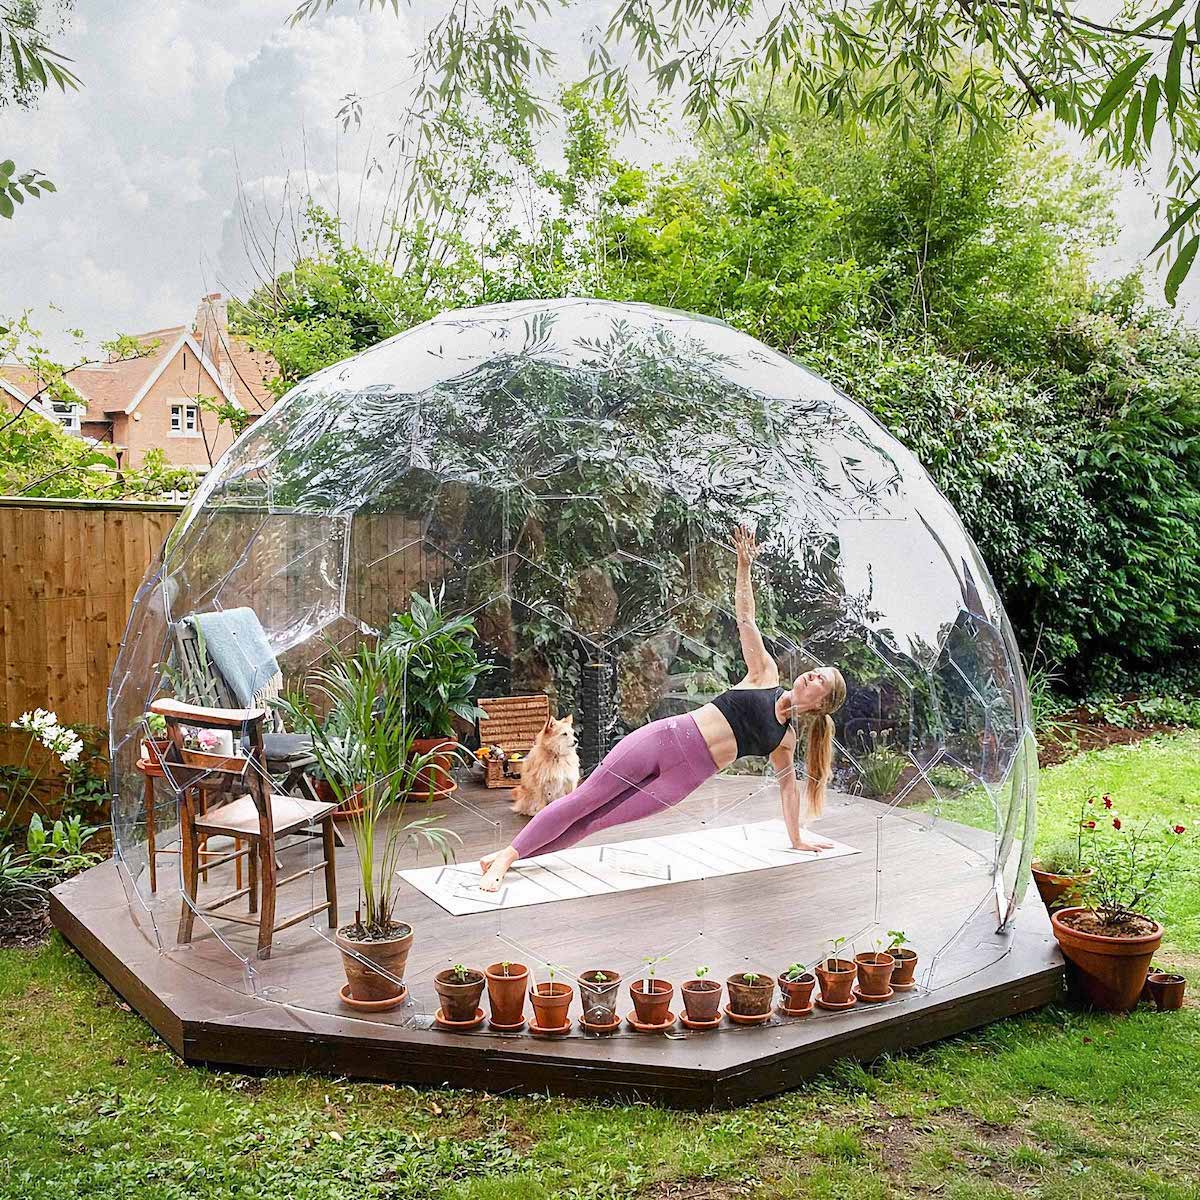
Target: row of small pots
(751, 994)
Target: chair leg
(189, 860)
(266, 917)
(252, 875)
(328, 829)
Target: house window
(67, 415)
(185, 419)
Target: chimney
(211, 330)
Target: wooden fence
(68, 573)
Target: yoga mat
(619, 867)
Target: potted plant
(211, 750)
(1059, 872)
(796, 984)
(651, 996)
(156, 743)
(459, 989)
(506, 994)
(1166, 988)
(906, 961)
(551, 1002)
(836, 976)
(702, 999)
(751, 994)
(875, 973)
(1108, 938)
(372, 757)
(598, 993)
(442, 670)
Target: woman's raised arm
(760, 665)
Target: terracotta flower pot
(750, 999)
(701, 999)
(434, 781)
(459, 997)
(1166, 990)
(390, 955)
(1111, 971)
(154, 750)
(350, 807)
(506, 992)
(797, 993)
(836, 976)
(599, 992)
(905, 968)
(551, 1003)
(651, 1000)
(874, 973)
(1054, 887)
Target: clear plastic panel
(566, 476)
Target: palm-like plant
(364, 750)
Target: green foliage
(881, 766)
(441, 668)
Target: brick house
(154, 400)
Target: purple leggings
(653, 768)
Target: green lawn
(1061, 1104)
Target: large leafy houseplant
(441, 665)
(366, 754)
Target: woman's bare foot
(810, 841)
(495, 868)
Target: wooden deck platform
(212, 1006)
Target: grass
(1059, 1104)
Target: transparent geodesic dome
(568, 473)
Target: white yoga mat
(619, 867)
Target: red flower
(1116, 822)
(1177, 828)
(1108, 802)
(1088, 824)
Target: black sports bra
(751, 715)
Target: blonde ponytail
(818, 763)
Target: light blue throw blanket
(237, 645)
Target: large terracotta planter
(506, 992)
(1111, 971)
(459, 997)
(389, 955)
(1053, 887)
(435, 781)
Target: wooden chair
(289, 756)
(255, 814)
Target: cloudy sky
(182, 100)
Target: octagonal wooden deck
(213, 1008)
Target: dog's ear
(549, 726)
(569, 719)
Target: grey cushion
(293, 749)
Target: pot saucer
(602, 1027)
(542, 1031)
(632, 1019)
(868, 999)
(499, 1028)
(741, 1019)
(444, 1023)
(830, 1006)
(372, 1005)
(904, 987)
(784, 1011)
(688, 1023)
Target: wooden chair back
(201, 679)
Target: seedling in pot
(897, 939)
(751, 977)
(461, 973)
(835, 949)
(701, 972)
(795, 971)
(650, 964)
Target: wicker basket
(512, 723)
